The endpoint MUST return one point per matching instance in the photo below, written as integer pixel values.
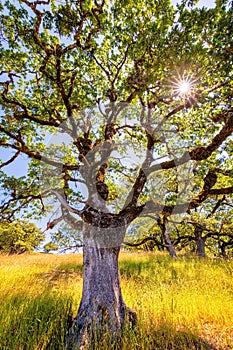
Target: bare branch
(64, 202)
(10, 160)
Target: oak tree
(113, 103)
(19, 237)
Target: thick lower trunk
(102, 309)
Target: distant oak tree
(19, 237)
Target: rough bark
(102, 309)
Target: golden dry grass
(182, 304)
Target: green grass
(182, 304)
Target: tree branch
(10, 160)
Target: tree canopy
(19, 237)
(98, 71)
(78, 66)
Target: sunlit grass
(181, 304)
(189, 295)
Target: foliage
(50, 246)
(19, 237)
(76, 67)
(213, 218)
(67, 238)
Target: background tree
(152, 234)
(50, 246)
(19, 237)
(110, 101)
(66, 238)
(205, 228)
(208, 227)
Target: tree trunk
(201, 247)
(200, 241)
(223, 250)
(169, 245)
(167, 240)
(102, 309)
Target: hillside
(181, 304)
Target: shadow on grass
(168, 338)
(55, 276)
(162, 338)
(131, 268)
(63, 272)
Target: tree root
(84, 334)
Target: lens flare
(184, 87)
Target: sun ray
(184, 86)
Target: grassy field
(182, 304)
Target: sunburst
(183, 83)
(184, 87)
